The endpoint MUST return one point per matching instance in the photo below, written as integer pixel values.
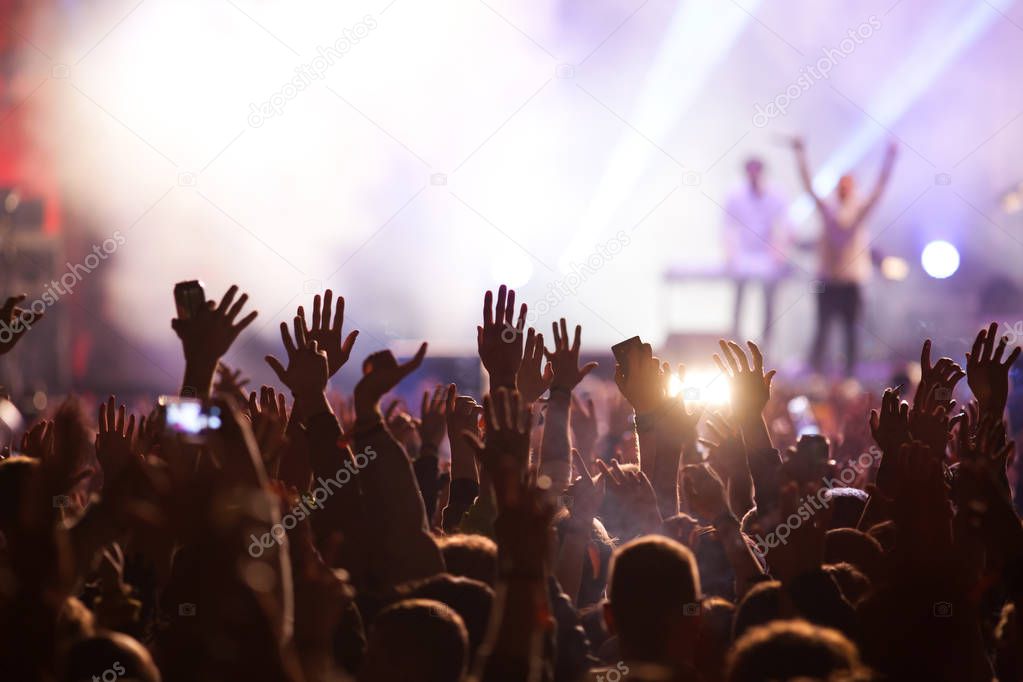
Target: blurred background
(411, 155)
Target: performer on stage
(755, 241)
(844, 249)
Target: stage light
(1012, 201)
(702, 385)
(940, 259)
(894, 268)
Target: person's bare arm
(641, 384)
(727, 456)
(805, 175)
(750, 391)
(404, 548)
(521, 615)
(315, 425)
(391, 499)
(707, 499)
(555, 448)
(882, 182)
(462, 416)
(586, 495)
(675, 440)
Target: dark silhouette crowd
(531, 533)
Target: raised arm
(586, 494)
(463, 415)
(400, 529)
(521, 614)
(206, 337)
(640, 382)
(500, 339)
(319, 432)
(675, 441)
(882, 181)
(987, 374)
(554, 451)
(805, 175)
(750, 390)
(708, 500)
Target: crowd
(527, 535)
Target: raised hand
(890, 428)
(268, 405)
(986, 374)
(942, 377)
(640, 381)
(565, 359)
(308, 370)
(750, 385)
(37, 442)
(929, 423)
(890, 425)
(585, 495)
(327, 332)
(499, 340)
(114, 441)
(504, 451)
(462, 414)
(208, 335)
(16, 322)
(985, 440)
(433, 415)
(635, 495)
(269, 416)
(725, 453)
(148, 432)
(383, 374)
(231, 382)
(704, 492)
(531, 381)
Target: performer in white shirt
(844, 250)
(755, 242)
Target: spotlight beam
(945, 40)
(697, 38)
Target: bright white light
(702, 385)
(940, 259)
(512, 268)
